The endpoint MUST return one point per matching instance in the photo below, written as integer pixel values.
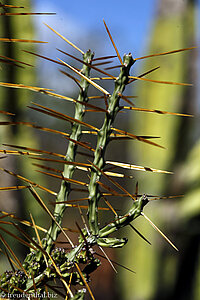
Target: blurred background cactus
(161, 273)
(168, 276)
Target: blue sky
(81, 22)
(129, 21)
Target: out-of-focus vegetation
(161, 273)
(16, 101)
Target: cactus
(45, 262)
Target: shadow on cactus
(46, 263)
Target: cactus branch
(71, 151)
(103, 140)
(134, 212)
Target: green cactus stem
(71, 152)
(133, 213)
(103, 140)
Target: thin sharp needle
(84, 280)
(113, 43)
(107, 258)
(66, 40)
(165, 53)
(141, 235)
(38, 237)
(83, 220)
(156, 228)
